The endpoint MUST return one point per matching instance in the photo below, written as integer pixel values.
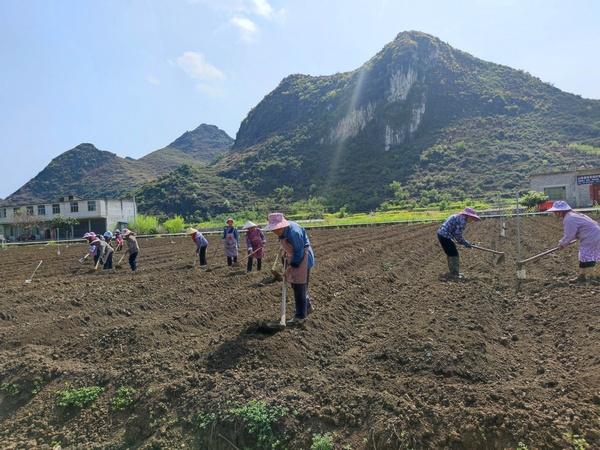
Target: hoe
(521, 273)
(499, 259)
(269, 327)
(29, 280)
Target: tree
(533, 198)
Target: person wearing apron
(255, 241)
(298, 260)
(231, 241)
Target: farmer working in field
(107, 256)
(132, 248)
(586, 231)
(231, 240)
(298, 260)
(255, 241)
(201, 244)
(119, 240)
(93, 248)
(452, 230)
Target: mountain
(87, 172)
(419, 112)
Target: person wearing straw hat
(255, 241)
(133, 248)
(452, 231)
(119, 240)
(201, 244)
(586, 231)
(231, 241)
(299, 258)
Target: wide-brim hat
(191, 231)
(126, 232)
(276, 221)
(248, 225)
(229, 219)
(559, 205)
(108, 234)
(471, 213)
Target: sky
(130, 76)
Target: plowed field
(392, 357)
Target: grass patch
(79, 398)
(584, 148)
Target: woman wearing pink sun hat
(586, 231)
(452, 230)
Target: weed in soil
(322, 442)
(10, 389)
(124, 398)
(79, 398)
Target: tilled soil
(394, 356)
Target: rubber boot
(585, 275)
(454, 267)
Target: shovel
(521, 274)
(29, 280)
(500, 257)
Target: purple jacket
(581, 227)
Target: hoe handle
(538, 256)
(487, 250)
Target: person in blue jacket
(452, 230)
(299, 258)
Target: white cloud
(210, 90)
(262, 8)
(153, 80)
(248, 29)
(196, 67)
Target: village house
(580, 188)
(34, 221)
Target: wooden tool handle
(547, 252)
(487, 250)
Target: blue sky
(132, 75)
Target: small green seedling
(79, 398)
(124, 398)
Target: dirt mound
(393, 356)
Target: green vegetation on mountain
(420, 113)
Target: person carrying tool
(231, 241)
(107, 256)
(119, 240)
(586, 231)
(255, 241)
(201, 244)
(299, 258)
(452, 230)
(93, 248)
(132, 248)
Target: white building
(33, 221)
(581, 188)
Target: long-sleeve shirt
(297, 237)
(200, 240)
(453, 228)
(255, 238)
(581, 227)
(132, 245)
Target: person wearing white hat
(133, 248)
(255, 241)
(299, 259)
(586, 231)
(201, 244)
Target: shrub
(124, 398)
(143, 224)
(174, 225)
(532, 198)
(259, 418)
(78, 397)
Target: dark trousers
(132, 261)
(231, 260)
(96, 258)
(202, 254)
(448, 245)
(250, 262)
(301, 297)
(586, 264)
(109, 261)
